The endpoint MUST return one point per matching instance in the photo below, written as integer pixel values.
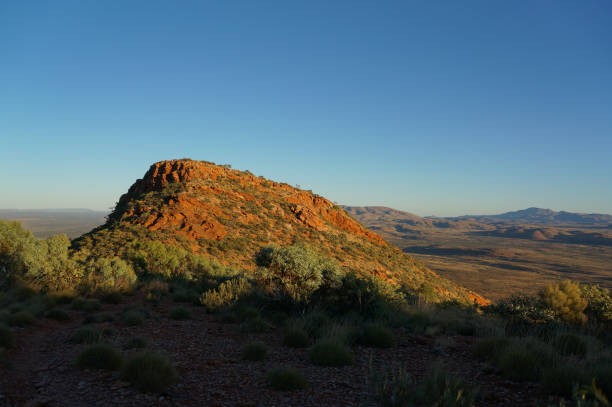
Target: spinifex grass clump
(99, 357)
(86, 335)
(330, 352)
(149, 371)
(254, 352)
(286, 379)
(296, 337)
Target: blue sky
(437, 108)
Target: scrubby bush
(153, 258)
(296, 272)
(603, 376)
(570, 344)
(149, 371)
(86, 335)
(374, 335)
(330, 353)
(563, 379)
(315, 323)
(43, 264)
(7, 339)
(296, 337)
(179, 314)
(136, 342)
(565, 299)
(107, 275)
(367, 295)
(254, 352)
(599, 301)
(523, 308)
(285, 379)
(99, 357)
(227, 294)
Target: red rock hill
(230, 215)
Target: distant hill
(544, 217)
(231, 215)
(46, 222)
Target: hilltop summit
(230, 215)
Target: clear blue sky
(443, 108)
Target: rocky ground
(206, 352)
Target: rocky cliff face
(230, 215)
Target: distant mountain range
(532, 223)
(544, 217)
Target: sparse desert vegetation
(313, 324)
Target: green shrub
(296, 337)
(99, 357)
(418, 322)
(570, 344)
(180, 314)
(489, 349)
(149, 371)
(7, 339)
(254, 352)
(108, 275)
(132, 318)
(375, 336)
(562, 380)
(21, 318)
(42, 264)
(518, 363)
(565, 299)
(285, 379)
(296, 272)
(330, 353)
(227, 294)
(599, 301)
(58, 314)
(86, 335)
(136, 342)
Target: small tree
(565, 299)
(296, 272)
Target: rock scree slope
(230, 215)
